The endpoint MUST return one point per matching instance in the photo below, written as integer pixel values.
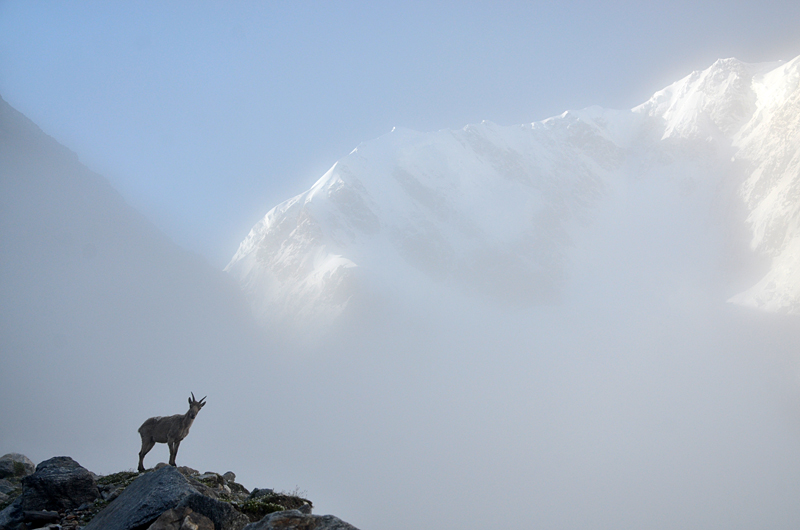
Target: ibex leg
(173, 452)
(146, 446)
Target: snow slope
(496, 211)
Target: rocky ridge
(61, 494)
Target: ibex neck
(187, 420)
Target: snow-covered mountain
(498, 211)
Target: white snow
(496, 210)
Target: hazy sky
(205, 114)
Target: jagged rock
(144, 501)
(225, 516)
(16, 465)
(295, 520)
(58, 484)
(11, 515)
(182, 519)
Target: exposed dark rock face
(144, 501)
(295, 520)
(58, 484)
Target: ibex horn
(204, 397)
(192, 393)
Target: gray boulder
(225, 516)
(58, 484)
(15, 465)
(144, 501)
(295, 520)
(12, 515)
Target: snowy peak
(495, 211)
(485, 208)
(709, 104)
(768, 148)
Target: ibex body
(168, 430)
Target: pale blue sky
(204, 115)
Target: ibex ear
(190, 402)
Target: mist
(636, 397)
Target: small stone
(229, 476)
(209, 476)
(187, 471)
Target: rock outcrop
(223, 514)
(294, 519)
(62, 494)
(58, 484)
(144, 501)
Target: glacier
(499, 213)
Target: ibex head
(195, 406)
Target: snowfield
(501, 213)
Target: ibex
(169, 430)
